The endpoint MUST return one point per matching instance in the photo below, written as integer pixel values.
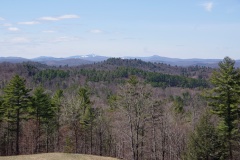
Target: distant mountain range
(92, 58)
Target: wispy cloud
(14, 29)
(96, 31)
(48, 31)
(208, 6)
(66, 39)
(61, 39)
(29, 23)
(7, 24)
(68, 16)
(49, 19)
(2, 19)
(19, 40)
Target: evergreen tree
(16, 103)
(42, 112)
(79, 114)
(87, 114)
(203, 143)
(225, 102)
(2, 140)
(57, 102)
(178, 104)
(1, 109)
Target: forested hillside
(128, 109)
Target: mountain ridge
(92, 58)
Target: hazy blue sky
(170, 28)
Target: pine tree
(57, 102)
(16, 101)
(87, 114)
(2, 140)
(203, 143)
(225, 102)
(42, 112)
(87, 110)
(1, 110)
(78, 113)
(178, 105)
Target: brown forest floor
(56, 156)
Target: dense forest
(129, 109)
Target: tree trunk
(76, 139)
(17, 132)
(229, 125)
(91, 140)
(47, 142)
(101, 143)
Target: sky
(116, 28)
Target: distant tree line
(155, 79)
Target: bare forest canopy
(123, 108)
(111, 71)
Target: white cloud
(7, 24)
(48, 31)
(208, 6)
(29, 23)
(19, 40)
(14, 29)
(96, 31)
(68, 16)
(49, 18)
(61, 39)
(2, 19)
(66, 39)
